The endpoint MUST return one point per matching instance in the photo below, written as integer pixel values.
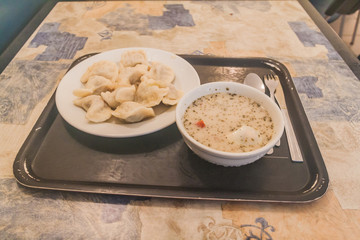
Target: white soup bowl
(221, 157)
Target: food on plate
(124, 94)
(160, 72)
(95, 85)
(133, 112)
(109, 98)
(127, 89)
(119, 95)
(96, 109)
(131, 75)
(150, 92)
(172, 96)
(106, 69)
(133, 57)
(228, 122)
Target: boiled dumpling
(120, 66)
(119, 95)
(94, 85)
(160, 72)
(99, 84)
(133, 57)
(85, 102)
(82, 92)
(96, 109)
(109, 98)
(131, 86)
(133, 112)
(173, 96)
(124, 94)
(131, 75)
(150, 92)
(104, 68)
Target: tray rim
(24, 176)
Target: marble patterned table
(283, 30)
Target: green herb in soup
(228, 122)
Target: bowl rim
(218, 153)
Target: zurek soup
(228, 122)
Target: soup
(228, 122)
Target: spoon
(253, 80)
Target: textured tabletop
(282, 30)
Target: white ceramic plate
(186, 78)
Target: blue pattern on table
(125, 19)
(60, 45)
(310, 38)
(175, 15)
(25, 83)
(317, 93)
(307, 85)
(52, 209)
(105, 35)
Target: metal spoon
(253, 80)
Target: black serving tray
(57, 156)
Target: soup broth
(228, 122)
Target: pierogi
(127, 90)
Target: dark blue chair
(345, 7)
(322, 6)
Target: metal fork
(272, 83)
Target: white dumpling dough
(104, 68)
(173, 96)
(124, 94)
(109, 98)
(95, 85)
(160, 72)
(133, 57)
(131, 75)
(133, 112)
(119, 95)
(150, 93)
(99, 84)
(96, 109)
(82, 92)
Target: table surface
(322, 69)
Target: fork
(272, 82)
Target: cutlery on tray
(272, 82)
